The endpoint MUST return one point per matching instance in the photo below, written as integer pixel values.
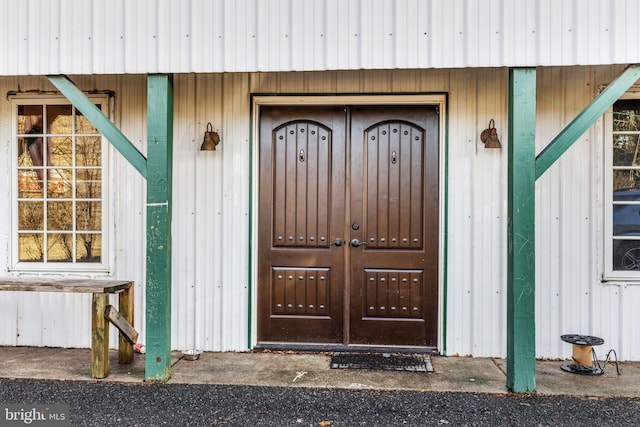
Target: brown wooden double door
(348, 225)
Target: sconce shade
(211, 139)
(489, 137)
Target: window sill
(66, 270)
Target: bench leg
(125, 307)
(99, 337)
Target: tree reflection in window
(59, 185)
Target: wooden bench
(99, 307)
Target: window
(59, 205)
(623, 191)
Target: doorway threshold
(344, 348)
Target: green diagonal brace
(585, 119)
(101, 122)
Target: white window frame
(609, 273)
(101, 267)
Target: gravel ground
(115, 404)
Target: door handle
(355, 243)
(338, 241)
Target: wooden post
(125, 307)
(99, 336)
(158, 287)
(521, 337)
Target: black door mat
(382, 362)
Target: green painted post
(159, 167)
(521, 337)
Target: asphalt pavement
(136, 404)
(300, 389)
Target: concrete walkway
(291, 369)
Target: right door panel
(394, 192)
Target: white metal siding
(165, 36)
(211, 246)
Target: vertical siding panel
(489, 216)
(30, 325)
(209, 241)
(628, 319)
(234, 205)
(262, 82)
(129, 190)
(291, 83)
(321, 82)
(437, 24)
(100, 48)
(216, 87)
(462, 149)
(550, 289)
(9, 301)
(184, 210)
(404, 81)
(377, 81)
(574, 300)
(267, 58)
(300, 23)
(425, 35)
(349, 81)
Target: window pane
(89, 216)
(59, 119)
(88, 247)
(626, 115)
(29, 119)
(61, 151)
(31, 151)
(88, 151)
(59, 215)
(29, 184)
(88, 183)
(626, 150)
(30, 247)
(625, 180)
(59, 247)
(59, 184)
(626, 255)
(83, 125)
(626, 219)
(30, 216)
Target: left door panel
(301, 224)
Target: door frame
(432, 99)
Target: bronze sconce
(489, 136)
(211, 139)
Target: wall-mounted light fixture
(489, 137)
(211, 139)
